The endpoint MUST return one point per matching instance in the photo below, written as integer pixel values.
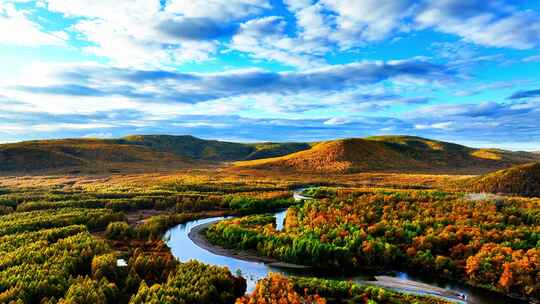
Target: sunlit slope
(523, 180)
(392, 153)
(385, 153)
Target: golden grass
(225, 176)
(487, 154)
(391, 154)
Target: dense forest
(487, 243)
(64, 244)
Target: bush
(87, 291)
(151, 267)
(118, 231)
(104, 266)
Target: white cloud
(475, 89)
(17, 29)
(119, 11)
(337, 121)
(486, 23)
(223, 10)
(440, 125)
(313, 23)
(265, 38)
(146, 97)
(196, 124)
(321, 27)
(119, 43)
(367, 20)
(143, 33)
(98, 135)
(346, 24)
(51, 127)
(534, 58)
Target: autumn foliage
(276, 289)
(492, 244)
(522, 180)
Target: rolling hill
(523, 180)
(383, 153)
(90, 154)
(137, 151)
(391, 153)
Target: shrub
(118, 231)
(104, 266)
(87, 291)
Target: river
(184, 249)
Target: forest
(62, 243)
(491, 243)
(276, 288)
(56, 245)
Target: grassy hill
(382, 153)
(523, 180)
(91, 154)
(137, 151)
(391, 153)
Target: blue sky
(466, 71)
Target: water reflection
(184, 250)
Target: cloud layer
(271, 70)
(154, 32)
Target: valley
(399, 209)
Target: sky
(466, 71)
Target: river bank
(196, 234)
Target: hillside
(383, 153)
(391, 153)
(90, 154)
(523, 180)
(137, 151)
(213, 150)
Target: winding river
(185, 249)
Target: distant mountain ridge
(392, 153)
(145, 151)
(201, 149)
